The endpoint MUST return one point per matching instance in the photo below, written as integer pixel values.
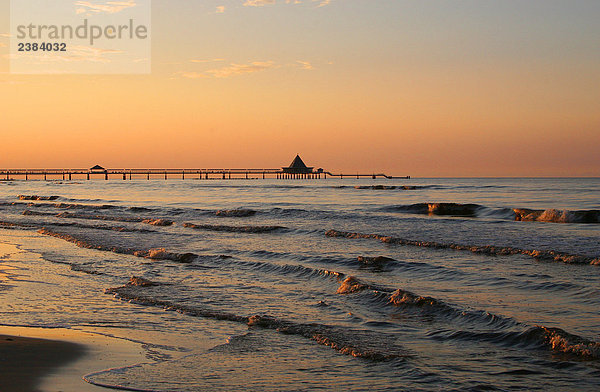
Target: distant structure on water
(299, 167)
(297, 170)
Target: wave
(61, 205)
(120, 229)
(161, 253)
(554, 339)
(357, 343)
(37, 198)
(130, 219)
(485, 250)
(375, 261)
(352, 285)
(391, 187)
(141, 282)
(158, 222)
(517, 214)
(12, 225)
(72, 215)
(388, 187)
(234, 229)
(376, 345)
(557, 216)
(538, 337)
(237, 213)
(454, 209)
(153, 254)
(425, 305)
(67, 206)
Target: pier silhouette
(297, 170)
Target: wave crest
(234, 229)
(486, 250)
(37, 198)
(557, 216)
(238, 213)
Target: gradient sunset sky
(407, 87)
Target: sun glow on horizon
(422, 89)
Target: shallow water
(483, 284)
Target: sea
(437, 284)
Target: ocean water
(283, 285)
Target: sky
(421, 88)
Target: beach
(427, 284)
(26, 361)
(42, 359)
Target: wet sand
(25, 362)
(56, 359)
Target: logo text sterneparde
(83, 31)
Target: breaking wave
(234, 229)
(485, 250)
(154, 254)
(357, 343)
(387, 187)
(37, 198)
(539, 337)
(377, 346)
(517, 214)
(557, 216)
(453, 209)
(129, 219)
(238, 213)
(554, 339)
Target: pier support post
(124, 176)
(106, 176)
(88, 176)
(148, 177)
(44, 176)
(26, 176)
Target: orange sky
(351, 85)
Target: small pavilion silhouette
(298, 167)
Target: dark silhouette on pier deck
(298, 167)
(297, 170)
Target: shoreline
(56, 359)
(26, 361)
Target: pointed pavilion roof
(297, 166)
(97, 167)
(298, 163)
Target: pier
(296, 171)
(200, 174)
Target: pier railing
(128, 174)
